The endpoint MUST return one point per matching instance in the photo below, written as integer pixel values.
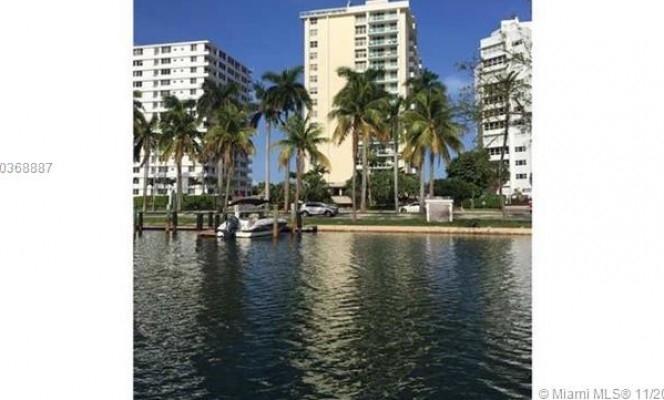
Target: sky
(267, 35)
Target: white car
(410, 208)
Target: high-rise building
(379, 34)
(179, 69)
(507, 50)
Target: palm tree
(358, 110)
(215, 97)
(146, 141)
(430, 128)
(508, 87)
(139, 123)
(284, 95)
(237, 133)
(302, 139)
(181, 136)
(393, 113)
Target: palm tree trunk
(431, 172)
(502, 158)
(365, 173)
(220, 184)
(421, 170)
(267, 161)
(287, 187)
(229, 178)
(178, 165)
(298, 177)
(396, 173)
(353, 199)
(146, 165)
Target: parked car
(410, 208)
(312, 208)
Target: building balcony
(382, 18)
(380, 31)
(382, 43)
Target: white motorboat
(249, 220)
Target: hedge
(190, 202)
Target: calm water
(332, 316)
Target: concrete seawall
(455, 230)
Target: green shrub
(190, 202)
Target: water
(332, 316)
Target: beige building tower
(379, 34)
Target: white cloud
(455, 83)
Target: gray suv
(312, 208)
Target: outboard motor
(231, 226)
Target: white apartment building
(497, 56)
(378, 34)
(179, 69)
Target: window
(313, 91)
(190, 169)
(313, 21)
(314, 102)
(521, 176)
(314, 114)
(152, 170)
(360, 30)
(313, 78)
(517, 43)
(193, 47)
(520, 149)
(494, 125)
(494, 61)
(313, 44)
(135, 191)
(192, 91)
(192, 80)
(138, 52)
(193, 59)
(313, 67)
(155, 73)
(360, 42)
(138, 84)
(495, 151)
(360, 54)
(165, 71)
(164, 93)
(165, 60)
(165, 49)
(155, 94)
(138, 73)
(192, 70)
(138, 63)
(361, 65)
(520, 162)
(313, 32)
(136, 170)
(165, 83)
(155, 83)
(313, 56)
(135, 180)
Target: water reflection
(333, 316)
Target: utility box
(439, 209)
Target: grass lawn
(418, 221)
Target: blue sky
(266, 35)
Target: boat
(249, 220)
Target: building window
(520, 162)
(494, 61)
(190, 169)
(360, 54)
(314, 102)
(313, 44)
(136, 169)
(360, 42)
(135, 180)
(314, 114)
(138, 84)
(138, 63)
(138, 52)
(135, 191)
(313, 32)
(313, 78)
(165, 60)
(155, 94)
(313, 67)
(313, 56)
(192, 70)
(193, 59)
(165, 83)
(520, 149)
(192, 80)
(193, 47)
(138, 73)
(313, 91)
(192, 91)
(360, 30)
(521, 176)
(313, 21)
(495, 151)
(165, 71)
(361, 65)
(165, 49)
(517, 43)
